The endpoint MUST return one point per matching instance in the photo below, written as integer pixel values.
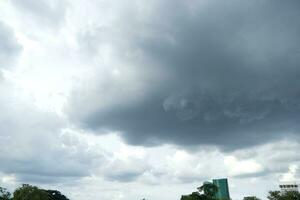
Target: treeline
(29, 192)
(208, 192)
(205, 192)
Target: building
(288, 186)
(223, 189)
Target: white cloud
(292, 174)
(242, 167)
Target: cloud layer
(124, 100)
(9, 47)
(190, 73)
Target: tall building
(288, 186)
(223, 190)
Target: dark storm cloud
(212, 72)
(9, 47)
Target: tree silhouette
(29, 192)
(287, 195)
(209, 191)
(4, 194)
(56, 195)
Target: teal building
(223, 190)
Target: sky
(132, 99)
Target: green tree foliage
(4, 194)
(209, 191)
(56, 195)
(274, 195)
(193, 196)
(29, 192)
(288, 195)
(251, 198)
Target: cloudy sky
(132, 99)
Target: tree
(274, 195)
(4, 194)
(55, 195)
(193, 196)
(209, 189)
(251, 198)
(287, 195)
(290, 195)
(28, 192)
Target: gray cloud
(9, 47)
(124, 170)
(190, 73)
(219, 73)
(125, 176)
(276, 158)
(34, 147)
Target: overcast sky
(132, 99)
